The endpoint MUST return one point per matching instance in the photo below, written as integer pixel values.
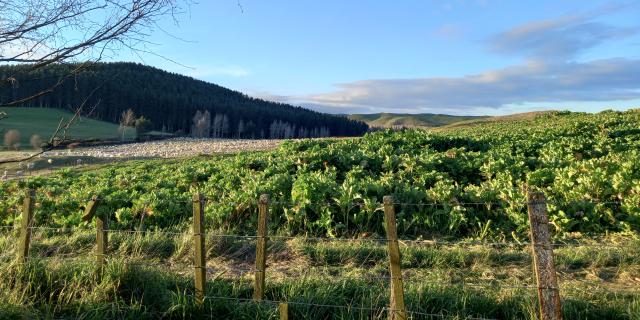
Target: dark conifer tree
(170, 101)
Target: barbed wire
(62, 229)
(211, 200)
(416, 279)
(409, 243)
(513, 244)
(597, 283)
(325, 239)
(85, 259)
(438, 203)
(89, 257)
(294, 204)
(335, 306)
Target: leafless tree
(43, 32)
(127, 119)
(36, 142)
(216, 127)
(221, 126)
(201, 124)
(195, 122)
(241, 129)
(225, 126)
(12, 139)
(38, 33)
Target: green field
(44, 121)
(437, 121)
(149, 276)
(463, 188)
(496, 119)
(336, 184)
(406, 120)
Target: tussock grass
(149, 276)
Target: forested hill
(171, 101)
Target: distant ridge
(484, 120)
(407, 120)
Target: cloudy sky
(455, 57)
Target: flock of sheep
(171, 148)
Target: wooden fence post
(25, 230)
(200, 266)
(261, 247)
(283, 307)
(102, 231)
(543, 261)
(397, 311)
(90, 211)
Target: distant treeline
(174, 103)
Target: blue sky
(456, 57)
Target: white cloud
(560, 38)
(23, 49)
(534, 81)
(548, 75)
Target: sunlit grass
(149, 276)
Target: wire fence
(378, 310)
(24, 171)
(291, 204)
(405, 242)
(244, 254)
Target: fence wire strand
(234, 251)
(413, 243)
(335, 306)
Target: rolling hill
(43, 121)
(169, 100)
(495, 119)
(406, 120)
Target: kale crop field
(459, 198)
(456, 183)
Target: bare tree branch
(44, 32)
(40, 33)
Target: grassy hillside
(43, 121)
(496, 119)
(389, 120)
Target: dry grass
(458, 280)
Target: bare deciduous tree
(241, 129)
(127, 119)
(217, 125)
(224, 126)
(36, 142)
(12, 139)
(43, 32)
(201, 124)
(39, 33)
